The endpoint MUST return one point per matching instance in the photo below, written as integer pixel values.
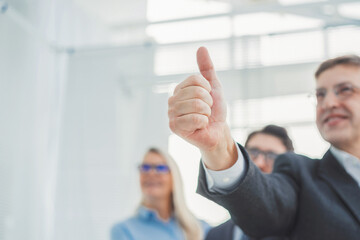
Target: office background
(84, 87)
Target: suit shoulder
(221, 230)
(296, 160)
(226, 225)
(295, 163)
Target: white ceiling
(113, 12)
(127, 22)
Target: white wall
(28, 90)
(32, 86)
(109, 121)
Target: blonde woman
(163, 214)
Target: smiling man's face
(338, 118)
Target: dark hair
(350, 60)
(154, 150)
(275, 131)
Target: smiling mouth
(334, 119)
(152, 184)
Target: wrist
(223, 155)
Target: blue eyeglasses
(161, 168)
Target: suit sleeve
(261, 204)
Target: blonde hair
(190, 225)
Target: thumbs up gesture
(197, 113)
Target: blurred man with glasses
(303, 198)
(263, 146)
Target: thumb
(206, 67)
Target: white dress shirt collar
(349, 162)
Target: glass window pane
(279, 109)
(294, 2)
(182, 58)
(247, 52)
(350, 10)
(265, 23)
(344, 40)
(192, 30)
(160, 10)
(307, 140)
(292, 48)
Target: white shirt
(226, 180)
(349, 162)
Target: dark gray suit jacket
(225, 231)
(303, 199)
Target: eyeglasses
(161, 168)
(342, 91)
(268, 155)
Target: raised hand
(197, 113)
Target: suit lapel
(343, 184)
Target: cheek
(169, 184)
(319, 113)
(142, 180)
(354, 110)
